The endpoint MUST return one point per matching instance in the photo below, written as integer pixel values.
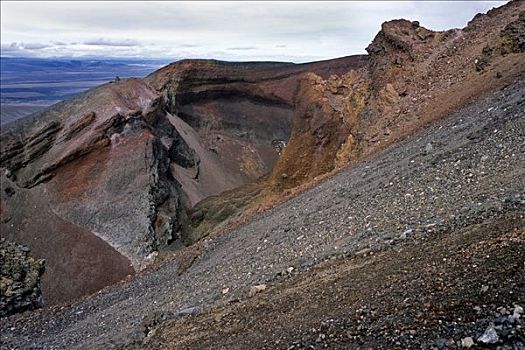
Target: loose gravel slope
(466, 170)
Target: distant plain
(28, 85)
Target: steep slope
(413, 76)
(114, 169)
(405, 240)
(139, 167)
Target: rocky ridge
(413, 76)
(142, 166)
(19, 279)
(378, 256)
(120, 164)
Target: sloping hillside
(413, 77)
(114, 169)
(409, 247)
(104, 184)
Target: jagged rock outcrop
(416, 75)
(513, 36)
(395, 50)
(92, 167)
(20, 276)
(130, 175)
(511, 40)
(116, 169)
(325, 118)
(139, 166)
(413, 76)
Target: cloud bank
(289, 31)
(106, 42)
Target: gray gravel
(475, 167)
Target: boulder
(19, 279)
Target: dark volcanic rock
(19, 279)
(130, 169)
(115, 169)
(513, 36)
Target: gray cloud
(242, 48)
(107, 42)
(23, 49)
(292, 31)
(34, 46)
(9, 49)
(185, 46)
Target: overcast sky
(289, 31)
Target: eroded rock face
(115, 169)
(395, 48)
(92, 174)
(144, 165)
(325, 118)
(20, 276)
(513, 36)
(413, 76)
(511, 40)
(241, 113)
(118, 194)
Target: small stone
(233, 299)
(467, 342)
(441, 343)
(429, 148)
(502, 310)
(188, 311)
(477, 309)
(256, 289)
(518, 310)
(484, 289)
(363, 252)
(406, 234)
(152, 256)
(290, 269)
(450, 342)
(490, 336)
(307, 263)
(225, 290)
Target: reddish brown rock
(114, 170)
(144, 165)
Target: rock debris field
(419, 246)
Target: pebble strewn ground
(464, 171)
